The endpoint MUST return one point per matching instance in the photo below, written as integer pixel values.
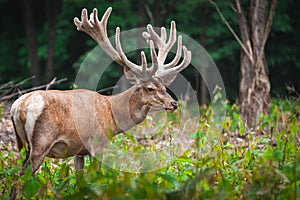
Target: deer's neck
(128, 109)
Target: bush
(238, 164)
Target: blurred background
(39, 38)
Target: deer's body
(44, 120)
(58, 124)
(51, 111)
(62, 124)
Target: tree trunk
(162, 10)
(52, 11)
(157, 13)
(203, 89)
(254, 90)
(32, 43)
(141, 23)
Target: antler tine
(178, 54)
(142, 72)
(163, 34)
(152, 35)
(154, 58)
(186, 60)
(170, 43)
(120, 51)
(104, 18)
(133, 72)
(168, 71)
(98, 31)
(84, 18)
(160, 41)
(143, 63)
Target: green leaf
(277, 155)
(31, 187)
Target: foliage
(237, 164)
(196, 18)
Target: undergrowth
(239, 163)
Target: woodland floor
(7, 135)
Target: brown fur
(70, 119)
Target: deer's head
(154, 94)
(150, 81)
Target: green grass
(239, 163)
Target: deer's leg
(35, 161)
(25, 164)
(19, 142)
(26, 161)
(79, 163)
(20, 146)
(36, 157)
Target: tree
(282, 49)
(32, 42)
(254, 87)
(52, 11)
(203, 34)
(161, 11)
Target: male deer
(57, 124)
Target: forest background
(39, 38)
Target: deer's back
(65, 118)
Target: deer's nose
(174, 104)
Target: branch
(149, 13)
(9, 87)
(25, 80)
(243, 23)
(231, 30)
(266, 32)
(108, 88)
(20, 92)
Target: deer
(58, 123)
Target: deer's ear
(130, 76)
(151, 87)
